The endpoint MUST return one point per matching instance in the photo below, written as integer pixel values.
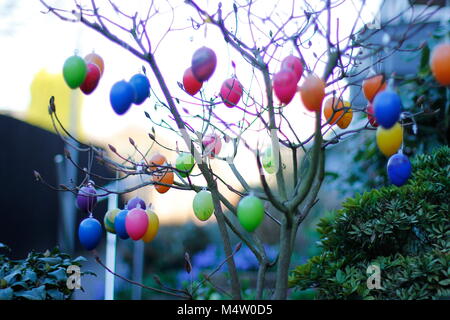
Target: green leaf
(51, 261)
(445, 282)
(59, 274)
(55, 294)
(33, 294)
(6, 294)
(340, 276)
(79, 259)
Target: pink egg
(231, 92)
(136, 223)
(285, 85)
(212, 144)
(293, 63)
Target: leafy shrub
(41, 276)
(405, 231)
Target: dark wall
(29, 210)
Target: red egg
(285, 85)
(190, 83)
(204, 63)
(370, 115)
(231, 92)
(293, 63)
(92, 78)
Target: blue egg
(141, 86)
(387, 107)
(398, 169)
(119, 225)
(121, 96)
(90, 233)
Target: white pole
(110, 254)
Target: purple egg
(87, 198)
(204, 63)
(134, 202)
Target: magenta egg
(293, 63)
(231, 92)
(136, 223)
(204, 63)
(285, 85)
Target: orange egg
(372, 85)
(312, 92)
(97, 60)
(346, 119)
(156, 160)
(333, 104)
(440, 63)
(166, 177)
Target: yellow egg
(389, 140)
(153, 226)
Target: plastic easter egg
(268, 161)
(370, 115)
(156, 161)
(153, 226)
(333, 109)
(293, 63)
(141, 86)
(185, 163)
(203, 205)
(92, 79)
(231, 92)
(399, 169)
(190, 83)
(87, 198)
(312, 92)
(285, 85)
(204, 63)
(97, 60)
(387, 107)
(108, 220)
(74, 71)
(373, 85)
(389, 140)
(212, 144)
(440, 63)
(119, 224)
(121, 96)
(166, 177)
(136, 223)
(347, 117)
(250, 212)
(90, 233)
(136, 202)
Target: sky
(33, 41)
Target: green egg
(185, 162)
(203, 205)
(74, 71)
(250, 212)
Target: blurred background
(34, 48)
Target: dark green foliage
(41, 276)
(406, 231)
